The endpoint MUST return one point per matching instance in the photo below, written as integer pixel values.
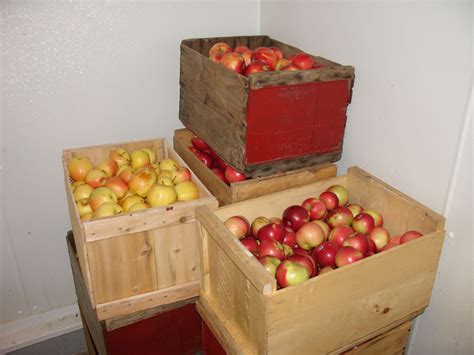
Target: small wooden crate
(166, 329)
(267, 122)
(332, 312)
(138, 260)
(251, 188)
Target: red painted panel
(296, 120)
(209, 342)
(174, 332)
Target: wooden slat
(369, 289)
(392, 342)
(91, 349)
(85, 305)
(123, 266)
(176, 254)
(234, 250)
(147, 300)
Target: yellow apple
(120, 156)
(83, 207)
(142, 180)
(161, 195)
(82, 192)
(96, 178)
(117, 185)
(139, 206)
(151, 155)
(187, 191)
(125, 172)
(107, 209)
(87, 217)
(127, 194)
(100, 196)
(130, 201)
(139, 159)
(180, 175)
(108, 166)
(169, 164)
(79, 168)
(156, 167)
(165, 180)
(75, 184)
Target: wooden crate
(267, 122)
(251, 188)
(138, 260)
(330, 313)
(166, 329)
(392, 342)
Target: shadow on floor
(67, 344)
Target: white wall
(413, 63)
(76, 75)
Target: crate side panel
(356, 300)
(400, 212)
(176, 254)
(234, 298)
(122, 266)
(392, 342)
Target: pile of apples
(214, 162)
(315, 237)
(127, 183)
(245, 61)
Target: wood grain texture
(251, 188)
(392, 342)
(347, 306)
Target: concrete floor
(67, 344)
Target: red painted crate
(267, 122)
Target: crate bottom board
(391, 342)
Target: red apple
(248, 57)
(303, 61)
(289, 273)
(79, 168)
(380, 236)
(295, 216)
(256, 67)
(315, 207)
(330, 200)
(409, 236)
(220, 174)
(258, 223)
(363, 223)
(324, 226)
(299, 251)
(181, 175)
(241, 49)
(216, 57)
(309, 235)
(270, 263)
(251, 244)
(339, 234)
(341, 216)
(325, 270)
(325, 254)
(278, 52)
(205, 158)
(234, 62)
(271, 248)
(388, 246)
(348, 255)
(372, 246)
(199, 143)
(306, 262)
(355, 209)
(272, 231)
(220, 47)
(117, 185)
(378, 220)
(233, 175)
(357, 241)
(289, 237)
(395, 240)
(290, 67)
(341, 193)
(266, 56)
(238, 225)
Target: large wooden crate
(332, 312)
(266, 122)
(135, 261)
(161, 330)
(244, 190)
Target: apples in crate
(128, 182)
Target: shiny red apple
(380, 236)
(238, 225)
(409, 236)
(309, 235)
(339, 234)
(290, 273)
(316, 208)
(348, 255)
(325, 254)
(330, 200)
(363, 223)
(341, 216)
(251, 244)
(271, 248)
(303, 61)
(295, 216)
(272, 231)
(305, 261)
(357, 241)
(233, 175)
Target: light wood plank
(147, 300)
